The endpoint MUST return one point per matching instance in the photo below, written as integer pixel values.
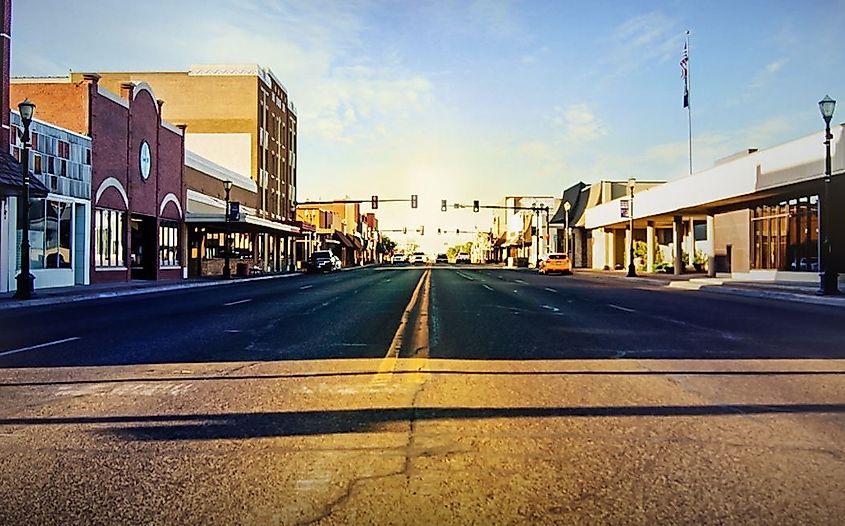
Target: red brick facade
(123, 129)
(5, 64)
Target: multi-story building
(239, 117)
(520, 231)
(136, 181)
(59, 229)
(342, 233)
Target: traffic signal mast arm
(504, 207)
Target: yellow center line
(387, 365)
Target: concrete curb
(83, 296)
(714, 286)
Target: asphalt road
(445, 395)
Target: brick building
(239, 117)
(137, 190)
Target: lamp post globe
(828, 279)
(632, 270)
(25, 279)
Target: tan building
(338, 228)
(240, 117)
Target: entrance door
(142, 239)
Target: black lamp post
(566, 208)
(24, 280)
(632, 270)
(828, 279)
(227, 272)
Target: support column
(629, 240)
(711, 241)
(610, 254)
(677, 243)
(691, 251)
(649, 262)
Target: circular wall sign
(146, 160)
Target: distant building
(521, 235)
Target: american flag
(685, 74)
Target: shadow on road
(305, 423)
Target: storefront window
(50, 234)
(109, 238)
(785, 236)
(168, 239)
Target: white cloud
(579, 123)
(644, 39)
(775, 66)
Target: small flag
(685, 74)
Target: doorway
(142, 243)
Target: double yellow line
(411, 335)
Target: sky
(464, 100)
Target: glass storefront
(50, 234)
(785, 236)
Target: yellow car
(559, 263)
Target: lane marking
(233, 331)
(519, 281)
(236, 303)
(617, 307)
(486, 286)
(39, 346)
(550, 289)
(305, 287)
(384, 373)
(550, 307)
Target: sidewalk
(56, 295)
(788, 291)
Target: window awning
(11, 180)
(344, 239)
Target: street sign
(234, 211)
(624, 208)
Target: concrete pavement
(407, 396)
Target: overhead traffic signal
(443, 206)
(413, 200)
(404, 230)
(422, 230)
(475, 206)
(374, 202)
(438, 231)
(457, 230)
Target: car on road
(323, 261)
(556, 263)
(417, 258)
(442, 258)
(463, 257)
(398, 259)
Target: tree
(386, 245)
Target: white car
(463, 257)
(398, 258)
(417, 258)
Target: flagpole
(689, 106)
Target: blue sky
(480, 99)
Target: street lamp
(828, 278)
(227, 272)
(24, 279)
(632, 271)
(567, 207)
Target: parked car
(323, 261)
(556, 263)
(398, 258)
(417, 258)
(463, 257)
(442, 258)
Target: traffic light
(457, 230)
(422, 230)
(404, 230)
(438, 231)
(475, 206)
(413, 200)
(374, 202)
(443, 206)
